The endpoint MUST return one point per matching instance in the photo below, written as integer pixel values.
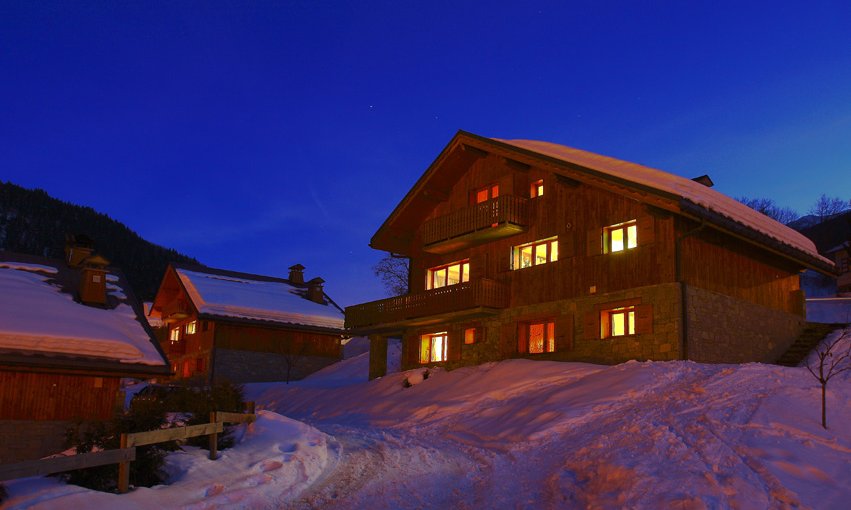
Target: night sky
(254, 136)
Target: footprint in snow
(214, 490)
(290, 448)
(270, 465)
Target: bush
(199, 402)
(145, 471)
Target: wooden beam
(43, 467)
(517, 165)
(474, 151)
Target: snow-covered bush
(415, 378)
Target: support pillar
(377, 356)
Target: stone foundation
(29, 440)
(251, 366)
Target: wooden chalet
(521, 248)
(69, 331)
(240, 327)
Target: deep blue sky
(257, 135)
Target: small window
(621, 237)
(95, 278)
(537, 189)
(618, 322)
(470, 336)
(174, 334)
(540, 337)
(534, 254)
(433, 347)
(191, 327)
(484, 194)
(450, 274)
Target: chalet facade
(69, 331)
(225, 325)
(531, 249)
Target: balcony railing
(453, 298)
(500, 211)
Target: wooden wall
(260, 339)
(39, 396)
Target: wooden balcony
(482, 297)
(501, 217)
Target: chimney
(77, 249)
(705, 180)
(93, 280)
(315, 292)
(297, 274)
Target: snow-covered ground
(519, 434)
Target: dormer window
(537, 189)
(484, 194)
(449, 274)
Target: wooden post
(214, 438)
(123, 470)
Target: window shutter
(591, 326)
(453, 344)
(644, 318)
(646, 231)
(522, 338)
(595, 242)
(564, 333)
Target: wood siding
(281, 341)
(40, 396)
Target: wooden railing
(463, 296)
(127, 452)
(500, 210)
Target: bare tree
(393, 272)
(769, 208)
(826, 207)
(829, 365)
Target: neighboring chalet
(829, 299)
(225, 325)
(69, 331)
(529, 249)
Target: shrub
(199, 402)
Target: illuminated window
(537, 189)
(618, 322)
(174, 334)
(470, 336)
(534, 254)
(433, 347)
(620, 237)
(541, 337)
(450, 274)
(191, 328)
(484, 194)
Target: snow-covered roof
(39, 317)
(684, 188)
(268, 299)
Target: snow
(519, 434)
(28, 267)
(41, 319)
(255, 299)
(688, 189)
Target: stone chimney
(315, 292)
(297, 274)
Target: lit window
(174, 334)
(484, 194)
(620, 237)
(618, 322)
(537, 189)
(191, 327)
(433, 347)
(95, 278)
(541, 337)
(534, 254)
(450, 274)
(470, 336)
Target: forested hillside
(33, 222)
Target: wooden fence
(127, 451)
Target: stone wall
(251, 366)
(723, 329)
(29, 440)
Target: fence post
(123, 470)
(214, 438)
